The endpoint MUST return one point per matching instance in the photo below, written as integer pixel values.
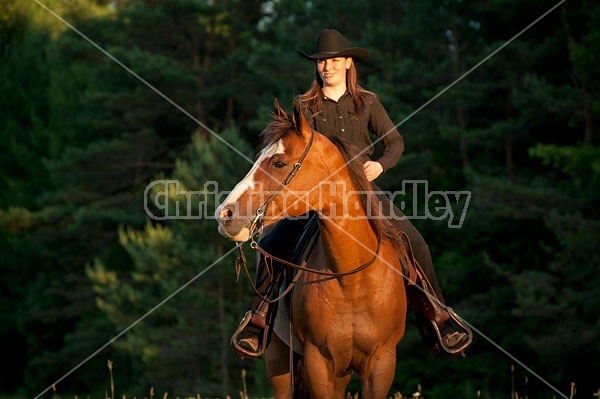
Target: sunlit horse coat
(345, 324)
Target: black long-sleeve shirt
(336, 118)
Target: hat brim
(357, 54)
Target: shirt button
(343, 130)
(324, 119)
(341, 116)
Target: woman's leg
(450, 337)
(279, 241)
(419, 247)
(421, 252)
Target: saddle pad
(309, 249)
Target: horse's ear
(299, 119)
(280, 112)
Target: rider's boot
(249, 340)
(443, 331)
(441, 328)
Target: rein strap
(319, 272)
(240, 262)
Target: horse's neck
(349, 242)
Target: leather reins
(258, 224)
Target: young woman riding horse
(348, 308)
(337, 106)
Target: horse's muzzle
(230, 226)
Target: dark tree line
(82, 138)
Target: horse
(349, 315)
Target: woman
(336, 105)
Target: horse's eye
(279, 165)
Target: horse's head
(275, 188)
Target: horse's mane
(277, 129)
(371, 203)
(383, 228)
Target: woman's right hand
(372, 170)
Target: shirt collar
(346, 94)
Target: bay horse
(346, 321)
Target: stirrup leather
(422, 297)
(243, 352)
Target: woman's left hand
(372, 170)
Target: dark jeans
(418, 244)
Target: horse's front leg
(378, 380)
(320, 377)
(281, 386)
(341, 384)
(278, 367)
(317, 374)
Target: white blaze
(248, 181)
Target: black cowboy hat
(331, 44)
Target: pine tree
(183, 346)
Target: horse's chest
(330, 315)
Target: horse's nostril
(225, 214)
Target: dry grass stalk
(109, 364)
(245, 391)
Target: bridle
(258, 222)
(257, 226)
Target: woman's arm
(393, 143)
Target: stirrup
(441, 346)
(243, 352)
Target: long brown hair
(314, 95)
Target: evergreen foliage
(83, 139)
